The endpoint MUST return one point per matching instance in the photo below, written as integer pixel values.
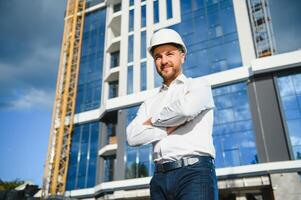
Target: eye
(157, 58)
(170, 54)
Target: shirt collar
(180, 79)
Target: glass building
(246, 49)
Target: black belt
(165, 167)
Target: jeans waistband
(165, 167)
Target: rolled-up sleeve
(139, 134)
(197, 99)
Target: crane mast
(54, 181)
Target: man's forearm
(138, 134)
(185, 108)
(169, 130)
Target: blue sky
(30, 40)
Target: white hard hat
(164, 36)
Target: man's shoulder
(198, 81)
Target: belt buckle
(190, 161)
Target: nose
(164, 59)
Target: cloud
(33, 98)
(295, 140)
(36, 71)
(30, 38)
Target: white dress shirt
(186, 102)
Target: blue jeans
(193, 182)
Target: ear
(183, 56)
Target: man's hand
(169, 130)
(148, 122)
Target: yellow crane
(54, 181)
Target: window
(145, 163)
(233, 133)
(83, 156)
(169, 8)
(286, 24)
(111, 133)
(143, 45)
(132, 2)
(143, 77)
(115, 59)
(90, 3)
(109, 164)
(139, 162)
(131, 20)
(156, 11)
(138, 159)
(158, 78)
(130, 48)
(116, 7)
(91, 62)
(290, 99)
(130, 80)
(143, 16)
(113, 89)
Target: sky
(30, 39)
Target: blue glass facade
(131, 2)
(90, 3)
(143, 16)
(83, 156)
(286, 17)
(233, 132)
(131, 20)
(91, 62)
(109, 164)
(143, 45)
(130, 80)
(130, 48)
(113, 89)
(169, 8)
(290, 98)
(115, 59)
(209, 31)
(158, 79)
(156, 11)
(138, 160)
(117, 7)
(111, 131)
(143, 78)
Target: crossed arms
(175, 114)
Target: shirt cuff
(154, 120)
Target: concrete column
(121, 138)
(269, 129)
(286, 186)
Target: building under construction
(105, 73)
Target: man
(178, 122)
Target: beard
(168, 73)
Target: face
(168, 60)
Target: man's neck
(169, 81)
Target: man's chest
(165, 97)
